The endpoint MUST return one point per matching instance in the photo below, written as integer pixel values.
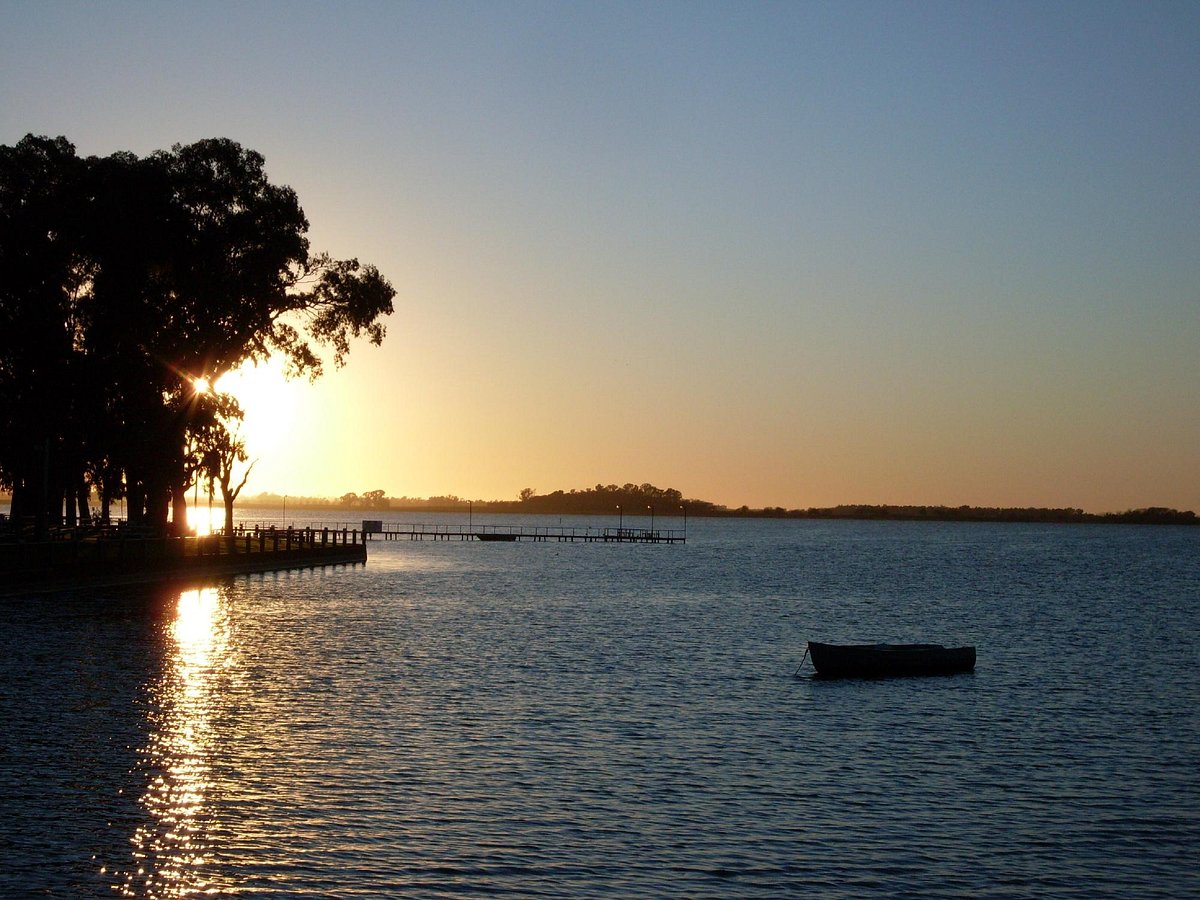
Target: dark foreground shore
(80, 560)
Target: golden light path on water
(169, 850)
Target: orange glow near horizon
(484, 432)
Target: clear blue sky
(794, 254)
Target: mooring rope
(799, 667)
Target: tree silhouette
(123, 280)
(225, 456)
(41, 375)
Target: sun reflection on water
(170, 847)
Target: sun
(201, 385)
(269, 402)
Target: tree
(216, 447)
(123, 280)
(42, 278)
(376, 499)
(228, 456)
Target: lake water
(596, 720)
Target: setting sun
(268, 401)
(201, 385)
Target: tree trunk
(69, 518)
(19, 508)
(158, 504)
(229, 493)
(179, 521)
(42, 505)
(105, 501)
(83, 497)
(135, 501)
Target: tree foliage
(630, 499)
(125, 279)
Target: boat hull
(889, 660)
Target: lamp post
(684, 508)
(651, 508)
(470, 514)
(620, 519)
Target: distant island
(635, 500)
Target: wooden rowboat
(886, 660)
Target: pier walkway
(538, 533)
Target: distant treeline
(631, 499)
(636, 500)
(1149, 516)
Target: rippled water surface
(591, 720)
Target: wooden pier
(536, 533)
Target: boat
(886, 660)
(495, 536)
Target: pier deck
(537, 533)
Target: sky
(774, 254)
